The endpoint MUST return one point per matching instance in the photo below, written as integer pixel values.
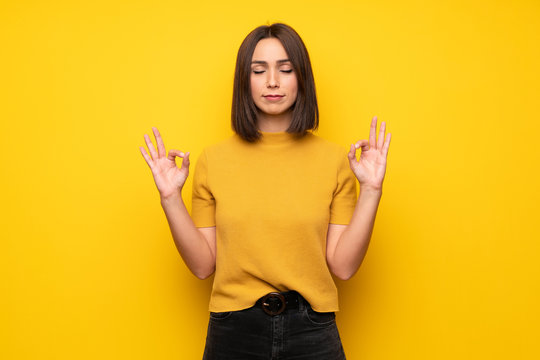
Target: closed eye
(261, 71)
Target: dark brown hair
(305, 115)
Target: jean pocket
(320, 318)
(220, 315)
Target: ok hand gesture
(371, 167)
(168, 177)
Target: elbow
(340, 270)
(343, 274)
(203, 274)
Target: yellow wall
(88, 267)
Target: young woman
(275, 212)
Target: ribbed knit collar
(276, 138)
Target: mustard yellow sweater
(271, 202)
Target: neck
(274, 123)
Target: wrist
(173, 197)
(371, 189)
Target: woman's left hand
(371, 167)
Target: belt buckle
(268, 303)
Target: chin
(274, 111)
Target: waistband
(275, 303)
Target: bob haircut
(305, 112)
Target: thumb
(173, 153)
(364, 144)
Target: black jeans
(251, 334)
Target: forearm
(189, 241)
(354, 241)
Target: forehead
(269, 50)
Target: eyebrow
(264, 62)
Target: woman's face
(272, 74)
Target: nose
(273, 79)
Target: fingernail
(356, 146)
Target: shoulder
(224, 146)
(335, 150)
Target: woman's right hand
(168, 177)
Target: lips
(273, 97)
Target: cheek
(294, 86)
(254, 85)
(253, 90)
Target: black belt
(275, 303)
